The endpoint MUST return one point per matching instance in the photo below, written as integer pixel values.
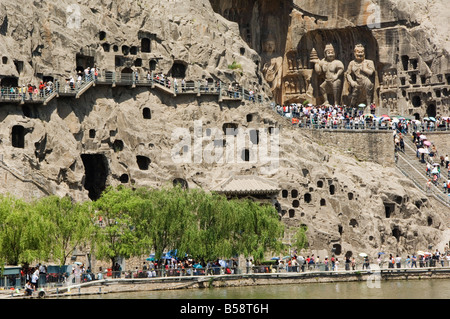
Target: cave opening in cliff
(146, 45)
(106, 47)
(102, 35)
(291, 213)
(124, 178)
(143, 162)
(178, 70)
(152, 64)
(134, 50)
(245, 155)
(18, 136)
(125, 49)
(337, 249)
(431, 110)
(9, 81)
(180, 182)
(396, 233)
(405, 62)
(96, 173)
(146, 113)
(83, 61)
(416, 101)
(294, 193)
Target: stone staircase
(412, 167)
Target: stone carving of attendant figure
(272, 66)
(333, 70)
(359, 75)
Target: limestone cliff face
(407, 40)
(144, 137)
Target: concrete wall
(366, 145)
(441, 140)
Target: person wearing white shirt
(398, 261)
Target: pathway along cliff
(110, 286)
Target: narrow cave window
(4, 60)
(152, 65)
(138, 62)
(115, 48)
(353, 222)
(350, 196)
(337, 249)
(106, 47)
(102, 35)
(323, 202)
(91, 133)
(307, 198)
(319, 184)
(249, 117)
(332, 189)
(340, 229)
(145, 45)
(242, 51)
(18, 136)
(143, 162)
(295, 203)
(389, 209)
(396, 233)
(284, 193)
(429, 221)
(245, 156)
(416, 101)
(96, 172)
(146, 113)
(124, 178)
(118, 145)
(133, 50)
(294, 193)
(291, 213)
(125, 49)
(405, 63)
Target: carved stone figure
(359, 75)
(272, 66)
(333, 70)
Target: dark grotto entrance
(96, 172)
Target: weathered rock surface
(75, 145)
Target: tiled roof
(247, 184)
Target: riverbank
(122, 285)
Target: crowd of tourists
(437, 164)
(421, 259)
(27, 92)
(328, 116)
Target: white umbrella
(420, 253)
(422, 137)
(424, 151)
(363, 254)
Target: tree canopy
(136, 222)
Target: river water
(393, 289)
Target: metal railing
(60, 280)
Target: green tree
(67, 225)
(117, 237)
(21, 233)
(300, 238)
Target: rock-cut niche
(96, 173)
